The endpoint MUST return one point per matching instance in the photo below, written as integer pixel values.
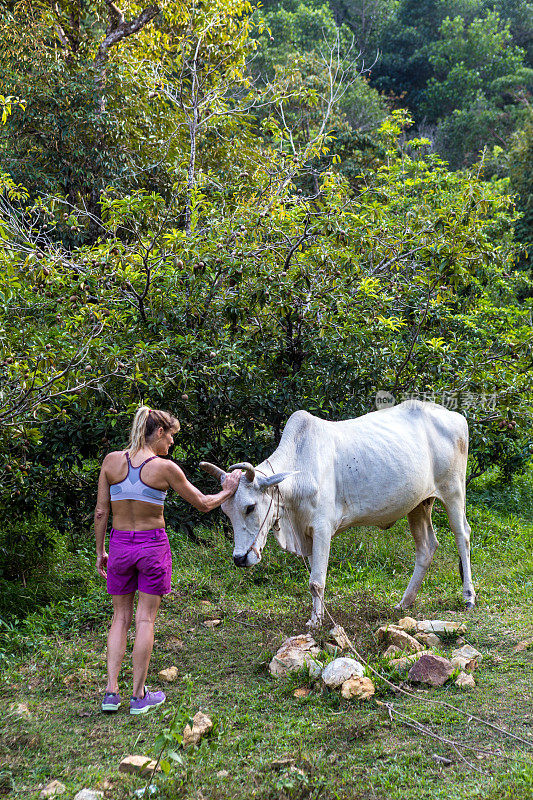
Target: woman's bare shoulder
(114, 457)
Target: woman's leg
(146, 613)
(117, 637)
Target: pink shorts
(139, 560)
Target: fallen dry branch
(417, 726)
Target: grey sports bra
(134, 488)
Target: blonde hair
(146, 421)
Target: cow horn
(213, 470)
(249, 469)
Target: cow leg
(425, 545)
(461, 530)
(317, 578)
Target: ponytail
(145, 423)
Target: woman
(134, 483)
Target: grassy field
(336, 748)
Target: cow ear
(273, 480)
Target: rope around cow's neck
(253, 547)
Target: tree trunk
(193, 133)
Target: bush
(28, 546)
(36, 567)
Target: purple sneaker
(111, 701)
(141, 705)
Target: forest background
(233, 212)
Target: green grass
(339, 749)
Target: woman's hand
(203, 502)
(231, 482)
(101, 564)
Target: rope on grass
(395, 687)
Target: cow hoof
(402, 606)
(313, 624)
(469, 606)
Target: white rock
(88, 794)
(395, 635)
(53, 789)
(466, 658)
(428, 639)
(170, 674)
(439, 626)
(464, 664)
(222, 773)
(339, 635)
(466, 651)
(341, 670)
(142, 765)
(295, 653)
(465, 681)
(407, 624)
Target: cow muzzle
(249, 559)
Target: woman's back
(132, 478)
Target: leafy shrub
(36, 567)
(28, 546)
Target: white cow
(325, 477)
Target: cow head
(252, 510)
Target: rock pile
(418, 639)
(409, 644)
(342, 673)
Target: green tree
(471, 59)
(520, 161)
(68, 140)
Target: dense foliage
(463, 68)
(233, 228)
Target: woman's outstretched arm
(189, 492)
